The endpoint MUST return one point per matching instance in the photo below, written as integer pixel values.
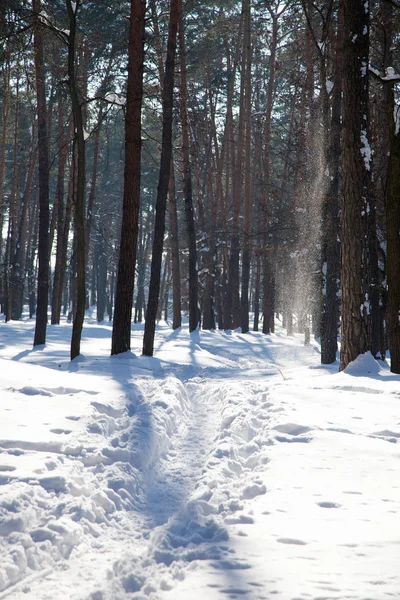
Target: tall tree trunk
(330, 310)
(162, 191)
(187, 183)
(234, 274)
(93, 183)
(79, 206)
(59, 267)
(44, 214)
(356, 176)
(18, 262)
(393, 237)
(267, 268)
(176, 274)
(5, 112)
(244, 306)
(121, 334)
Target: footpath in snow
(227, 466)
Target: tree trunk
(187, 183)
(162, 191)
(18, 262)
(44, 214)
(121, 335)
(244, 306)
(79, 205)
(356, 175)
(330, 310)
(267, 268)
(59, 267)
(4, 121)
(176, 274)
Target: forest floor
(227, 466)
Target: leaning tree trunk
(356, 175)
(44, 212)
(162, 191)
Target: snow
(115, 99)
(227, 465)
(329, 88)
(365, 149)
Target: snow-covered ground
(227, 466)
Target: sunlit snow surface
(227, 466)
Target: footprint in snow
(61, 431)
(328, 505)
(292, 428)
(291, 541)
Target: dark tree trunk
(268, 284)
(330, 310)
(247, 210)
(5, 112)
(121, 335)
(18, 266)
(176, 273)
(356, 176)
(44, 214)
(187, 183)
(101, 280)
(59, 267)
(92, 193)
(79, 205)
(393, 241)
(162, 191)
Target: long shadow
(187, 533)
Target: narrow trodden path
(200, 492)
(174, 477)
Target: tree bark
(44, 213)
(176, 273)
(356, 175)
(330, 309)
(187, 183)
(162, 190)
(121, 335)
(247, 210)
(59, 267)
(79, 204)
(268, 284)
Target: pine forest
(226, 161)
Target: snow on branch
(390, 74)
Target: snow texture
(227, 466)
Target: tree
(44, 214)
(247, 209)
(121, 334)
(79, 197)
(187, 183)
(356, 171)
(164, 175)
